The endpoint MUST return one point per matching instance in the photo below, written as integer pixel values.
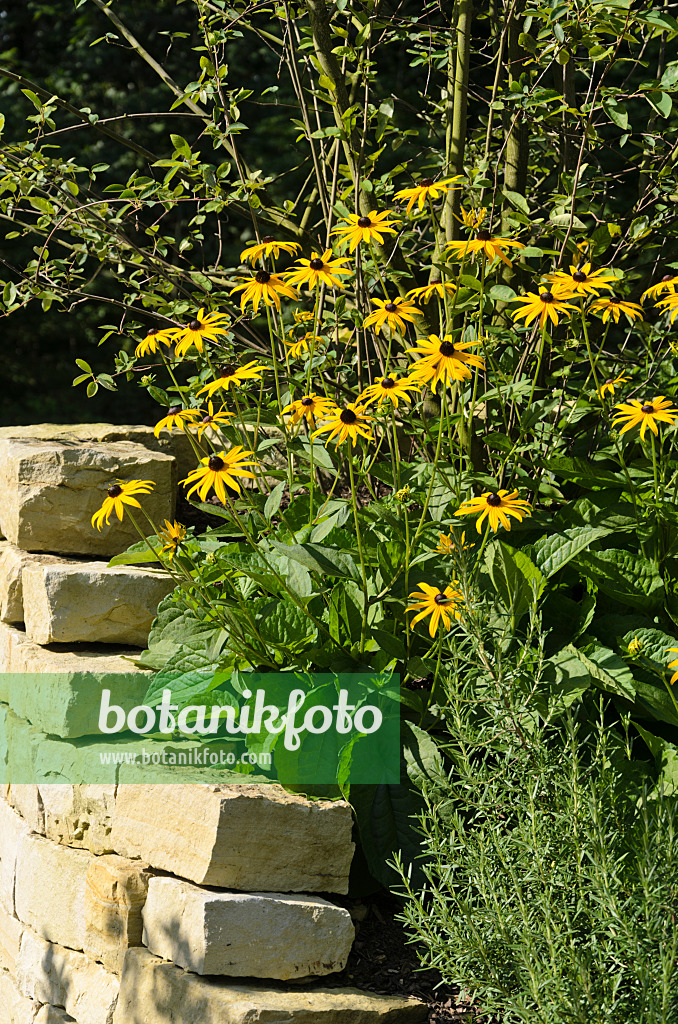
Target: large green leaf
(557, 549)
(608, 670)
(174, 626)
(187, 674)
(515, 577)
(625, 576)
(283, 623)
(326, 561)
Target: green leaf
(616, 112)
(83, 365)
(284, 624)
(608, 669)
(273, 500)
(516, 579)
(517, 200)
(323, 560)
(555, 550)
(188, 674)
(35, 100)
(625, 576)
(661, 102)
(562, 220)
(180, 145)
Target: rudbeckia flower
(610, 306)
(581, 281)
(213, 419)
(172, 534)
(672, 664)
(349, 423)
(233, 374)
(439, 604)
(268, 247)
(121, 493)
(176, 417)
(447, 543)
(608, 386)
(357, 229)
(473, 218)
(668, 283)
(493, 248)
(444, 360)
(427, 291)
(154, 338)
(389, 388)
(496, 507)
(645, 414)
(205, 327)
(310, 408)
(219, 472)
(263, 285)
(426, 188)
(318, 269)
(546, 305)
(393, 312)
(671, 306)
(297, 347)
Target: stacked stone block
(124, 903)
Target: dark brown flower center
(316, 264)
(610, 380)
(579, 276)
(426, 182)
(195, 325)
(647, 408)
(267, 239)
(206, 419)
(441, 599)
(215, 463)
(483, 235)
(115, 491)
(173, 410)
(262, 277)
(614, 300)
(348, 416)
(307, 401)
(493, 500)
(364, 222)
(390, 307)
(388, 382)
(151, 331)
(446, 349)
(227, 371)
(546, 296)
(665, 278)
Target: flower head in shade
(176, 418)
(172, 535)
(394, 312)
(268, 247)
(155, 337)
(355, 229)
(670, 305)
(486, 243)
(212, 420)
(263, 287)
(426, 189)
(440, 605)
(447, 544)
(496, 507)
(546, 305)
(645, 414)
(609, 386)
(311, 407)
(444, 360)
(318, 270)
(427, 291)
(609, 306)
(231, 373)
(581, 281)
(220, 471)
(668, 283)
(345, 424)
(205, 327)
(298, 347)
(119, 494)
(390, 388)
(672, 664)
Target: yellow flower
(439, 604)
(213, 419)
(608, 387)
(546, 305)
(357, 229)
(473, 218)
(671, 304)
(172, 534)
(268, 247)
(233, 374)
(205, 327)
(263, 285)
(581, 281)
(634, 647)
(319, 269)
(645, 414)
(176, 417)
(668, 283)
(389, 387)
(427, 188)
(447, 544)
(393, 312)
(309, 408)
(444, 360)
(155, 337)
(298, 347)
(343, 424)
(118, 495)
(493, 248)
(611, 306)
(672, 664)
(427, 291)
(496, 506)
(220, 471)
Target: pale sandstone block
(49, 491)
(155, 992)
(48, 973)
(255, 935)
(14, 1007)
(26, 800)
(53, 1015)
(253, 838)
(10, 940)
(13, 830)
(91, 603)
(114, 899)
(12, 562)
(50, 887)
(78, 815)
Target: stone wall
(127, 903)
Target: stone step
(12, 562)
(255, 935)
(156, 992)
(89, 602)
(49, 491)
(255, 838)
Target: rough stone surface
(12, 561)
(78, 815)
(50, 887)
(256, 935)
(53, 1015)
(114, 899)
(92, 603)
(155, 992)
(10, 940)
(49, 491)
(14, 1007)
(255, 838)
(48, 973)
(13, 830)
(59, 691)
